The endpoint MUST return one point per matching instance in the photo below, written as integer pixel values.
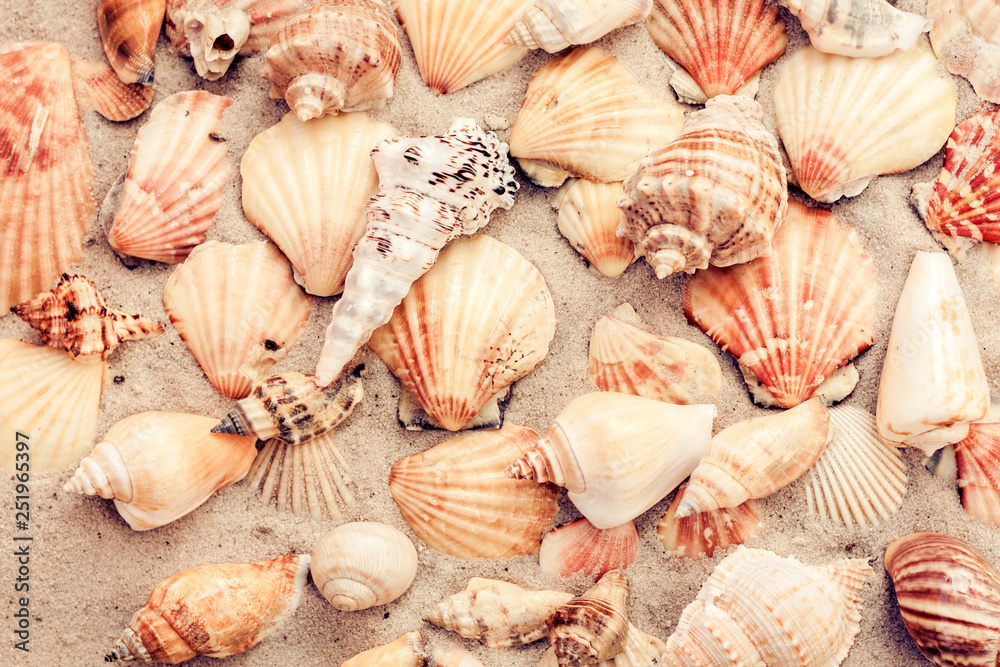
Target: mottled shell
(593, 626)
(966, 37)
(716, 193)
(858, 28)
(99, 89)
(701, 535)
(978, 460)
(589, 218)
(406, 651)
(129, 30)
(554, 25)
(580, 548)
(641, 650)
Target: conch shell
(406, 651)
(858, 28)
(129, 30)
(593, 626)
(641, 650)
(554, 25)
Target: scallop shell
(579, 547)
(978, 460)
(214, 610)
(716, 193)
(174, 179)
(237, 309)
(701, 535)
(46, 160)
(406, 651)
(759, 609)
(99, 89)
(159, 466)
(641, 650)
(593, 626)
(588, 218)
(457, 499)
(844, 121)
(337, 55)
(720, 46)
(933, 383)
(966, 37)
(456, 340)
(792, 319)
(585, 116)
(858, 28)
(129, 30)
(554, 25)
(363, 564)
(626, 358)
(457, 43)
(497, 613)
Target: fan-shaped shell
(585, 116)
(844, 121)
(701, 535)
(554, 25)
(858, 28)
(593, 626)
(641, 650)
(589, 218)
(579, 547)
(129, 30)
(98, 88)
(406, 651)
(456, 497)
(966, 37)
(978, 460)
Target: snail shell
(594, 626)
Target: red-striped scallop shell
(580, 547)
(98, 88)
(701, 535)
(978, 460)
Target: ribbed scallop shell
(554, 25)
(589, 218)
(98, 88)
(479, 320)
(721, 46)
(962, 205)
(406, 651)
(593, 626)
(858, 28)
(46, 203)
(759, 609)
(584, 115)
(579, 547)
(716, 193)
(129, 30)
(700, 535)
(174, 179)
(641, 650)
(844, 121)
(457, 42)
(966, 37)
(457, 499)
(978, 459)
(48, 402)
(793, 318)
(236, 305)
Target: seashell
(406, 651)
(674, 208)
(978, 460)
(159, 466)
(759, 609)
(237, 309)
(432, 190)
(48, 405)
(554, 25)
(844, 121)
(618, 455)
(932, 383)
(337, 55)
(588, 218)
(584, 115)
(626, 358)
(454, 656)
(456, 340)
(76, 318)
(214, 610)
(755, 458)
(45, 160)
(457, 43)
(701, 535)
(174, 179)
(305, 186)
(497, 613)
(966, 37)
(99, 89)
(457, 499)
(579, 547)
(960, 207)
(787, 318)
(858, 29)
(592, 627)
(720, 46)
(860, 478)
(641, 650)
(363, 564)
(129, 30)
(949, 598)
(293, 407)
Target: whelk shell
(641, 650)
(406, 651)
(554, 25)
(593, 626)
(701, 535)
(588, 218)
(966, 37)
(858, 28)
(978, 460)
(579, 547)
(129, 30)
(98, 88)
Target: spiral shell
(129, 30)
(593, 626)
(641, 650)
(406, 651)
(858, 28)
(554, 25)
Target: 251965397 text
(22, 542)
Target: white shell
(966, 37)
(858, 28)
(554, 25)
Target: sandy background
(91, 572)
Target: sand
(90, 572)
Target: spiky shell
(844, 121)
(554, 25)
(588, 218)
(174, 179)
(580, 548)
(457, 499)
(584, 115)
(214, 610)
(966, 37)
(129, 30)
(759, 609)
(237, 309)
(98, 88)
(593, 626)
(701, 535)
(46, 203)
(406, 651)
(716, 193)
(978, 460)
(793, 318)
(641, 650)
(721, 46)
(858, 28)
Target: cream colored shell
(858, 28)
(589, 218)
(966, 37)
(406, 651)
(554, 25)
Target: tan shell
(858, 28)
(580, 548)
(966, 37)
(554, 25)
(454, 656)
(641, 650)
(701, 535)
(589, 218)
(98, 88)
(129, 30)
(406, 651)
(593, 626)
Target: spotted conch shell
(432, 190)
(858, 28)
(966, 37)
(129, 30)
(716, 193)
(406, 651)
(554, 25)
(593, 626)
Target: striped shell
(99, 89)
(593, 626)
(641, 650)
(581, 548)
(129, 30)
(701, 535)
(978, 460)
(554, 25)
(589, 218)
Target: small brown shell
(129, 30)
(594, 626)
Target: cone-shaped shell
(641, 650)
(593, 626)
(858, 28)
(589, 218)
(793, 318)
(457, 339)
(844, 121)
(406, 651)
(98, 88)
(554, 25)
(159, 466)
(579, 547)
(237, 309)
(759, 609)
(46, 203)
(966, 37)
(584, 115)
(978, 460)
(456, 497)
(933, 383)
(700, 535)
(214, 610)
(617, 454)
(305, 186)
(497, 613)
(129, 30)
